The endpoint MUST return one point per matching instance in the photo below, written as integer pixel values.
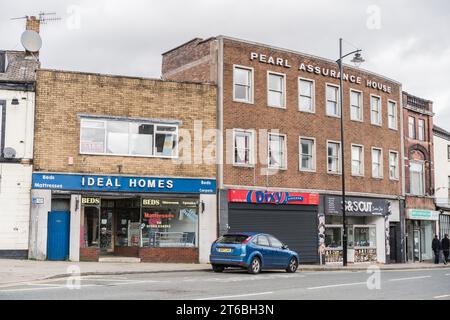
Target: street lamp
(357, 60)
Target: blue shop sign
(77, 182)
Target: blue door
(58, 235)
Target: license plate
(224, 250)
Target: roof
(441, 132)
(19, 68)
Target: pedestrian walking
(445, 245)
(436, 246)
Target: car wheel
(217, 268)
(292, 266)
(255, 266)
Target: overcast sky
(404, 40)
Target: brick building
(420, 214)
(113, 170)
(279, 156)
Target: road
(430, 284)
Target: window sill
(376, 125)
(248, 166)
(334, 173)
(244, 101)
(357, 175)
(333, 116)
(277, 168)
(305, 111)
(126, 155)
(308, 170)
(277, 107)
(378, 178)
(356, 120)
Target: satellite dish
(31, 41)
(9, 153)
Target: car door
(263, 245)
(281, 256)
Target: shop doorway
(393, 243)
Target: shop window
(392, 115)
(375, 110)
(91, 227)
(416, 178)
(333, 237)
(377, 163)
(276, 92)
(277, 151)
(334, 158)
(307, 154)
(356, 105)
(306, 95)
(170, 222)
(364, 236)
(357, 160)
(128, 138)
(243, 84)
(332, 97)
(243, 148)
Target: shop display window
(364, 236)
(333, 236)
(91, 227)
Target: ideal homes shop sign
(326, 72)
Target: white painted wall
(15, 185)
(441, 170)
(207, 226)
(381, 239)
(75, 220)
(38, 224)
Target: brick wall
(172, 255)
(62, 96)
(89, 254)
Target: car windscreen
(232, 239)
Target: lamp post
(357, 59)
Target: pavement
(238, 285)
(17, 271)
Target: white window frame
(313, 154)
(381, 162)
(397, 177)
(284, 164)
(252, 86)
(413, 128)
(155, 124)
(362, 160)
(380, 113)
(419, 131)
(251, 146)
(313, 94)
(361, 104)
(339, 172)
(282, 92)
(395, 115)
(338, 102)
(422, 163)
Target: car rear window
(232, 239)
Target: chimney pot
(33, 23)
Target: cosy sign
(272, 197)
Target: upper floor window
(243, 147)
(448, 152)
(411, 127)
(416, 177)
(377, 163)
(276, 90)
(392, 115)
(2, 129)
(128, 138)
(307, 154)
(306, 95)
(421, 127)
(357, 160)
(375, 110)
(332, 95)
(277, 151)
(356, 111)
(243, 84)
(334, 157)
(393, 165)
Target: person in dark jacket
(436, 246)
(445, 244)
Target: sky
(404, 40)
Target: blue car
(252, 251)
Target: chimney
(33, 23)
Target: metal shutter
(294, 225)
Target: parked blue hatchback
(252, 251)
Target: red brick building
(279, 114)
(421, 217)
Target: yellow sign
(90, 201)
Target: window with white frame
(392, 115)
(128, 138)
(2, 129)
(377, 163)
(277, 151)
(393, 165)
(307, 153)
(421, 127)
(416, 178)
(332, 95)
(411, 127)
(275, 90)
(356, 112)
(334, 157)
(448, 152)
(306, 95)
(448, 190)
(357, 160)
(243, 148)
(243, 84)
(375, 110)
